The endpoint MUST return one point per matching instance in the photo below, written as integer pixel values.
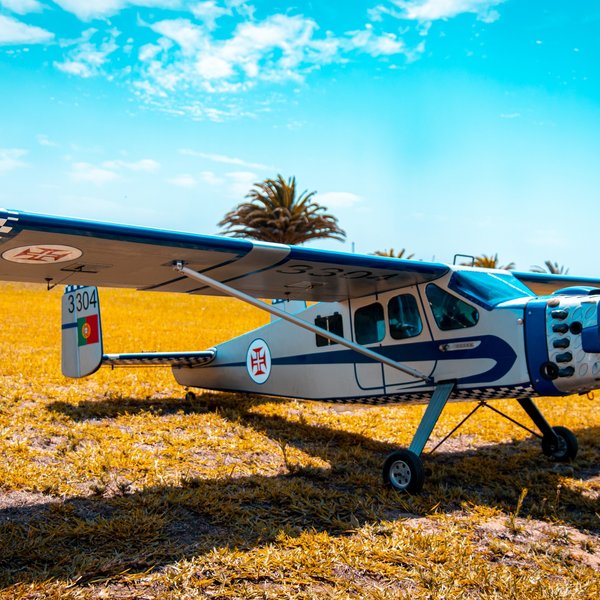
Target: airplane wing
(543, 284)
(58, 250)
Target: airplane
(379, 330)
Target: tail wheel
(566, 448)
(403, 471)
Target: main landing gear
(403, 469)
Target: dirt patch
(532, 537)
(20, 506)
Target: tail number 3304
(82, 300)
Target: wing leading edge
(59, 250)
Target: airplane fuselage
(493, 346)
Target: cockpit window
(403, 316)
(369, 324)
(488, 289)
(449, 311)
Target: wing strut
(229, 291)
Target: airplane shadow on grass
(87, 539)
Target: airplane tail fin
(82, 346)
(81, 331)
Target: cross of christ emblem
(258, 361)
(42, 254)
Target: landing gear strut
(558, 443)
(403, 469)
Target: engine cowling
(562, 337)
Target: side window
(404, 318)
(449, 311)
(334, 324)
(369, 324)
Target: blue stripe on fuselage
(490, 346)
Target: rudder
(81, 331)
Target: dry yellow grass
(117, 487)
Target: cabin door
(369, 331)
(394, 326)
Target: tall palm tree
(551, 267)
(275, 214)
(491, 262)
(391, 253)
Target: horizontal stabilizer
(157, 359)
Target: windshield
(488, 289)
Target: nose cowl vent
(565, 357)
(560, 362)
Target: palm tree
(491, 262)
(392, 254)
(275, 214)
(551, 267)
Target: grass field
(117, 487)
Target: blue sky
(439, 126)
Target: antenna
(472, 258)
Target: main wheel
(567, 446)
(403, 471)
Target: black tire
(403, 471)
(567, 445)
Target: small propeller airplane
(381, 330)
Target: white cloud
(375, 44)
(44, 140)
(87, 59)
(88, 173)
(10, 159)
(145, 164)
(193, 63)
(185, 180)
(240, 183)
(433, 10)
(211, 178)
(87, 10)
(22, 7)
(338, 199)
(13, 31)
(209, 12)
(188, 56)
(189, 36)
(220, 158)
(109, 170)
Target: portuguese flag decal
(87, 330)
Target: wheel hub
(400, 474)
